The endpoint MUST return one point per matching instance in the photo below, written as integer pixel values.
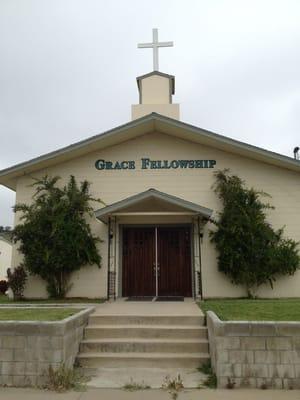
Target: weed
(230, 383)
(264, 386)
(206, 368)
(211, 380)
(63, 379)
(133, 386)
(173, 386)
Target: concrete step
(144, 331)
(146, 360)
(100, 319)
(132, 345)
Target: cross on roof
(155, 45)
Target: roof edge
(230, 141)
(4, 239)
(104, 212)
(153, 117)
(76, 145)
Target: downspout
(200, 261)
(193, 263)
(108, 258)
(115, 256)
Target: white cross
(155, 45)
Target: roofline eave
(102, 214)
(249, 150)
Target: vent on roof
(296, 153)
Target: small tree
(250, 251)
(55, 237)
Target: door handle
(156, 268)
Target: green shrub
(16, 281)
(54, 234)
(3, 286)
(250, 251)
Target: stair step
(119, 360)
(148, 345)
(100, 319)
(145, 331)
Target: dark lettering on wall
(147, 163)
(102, 164)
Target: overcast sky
(68, 69)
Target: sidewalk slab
(115, 394)
(117, 378)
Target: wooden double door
(156, 261)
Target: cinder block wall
(27, 349)
(252, 354)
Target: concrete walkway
(117, 378)
(107, 394)
(119, 307)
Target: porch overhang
(153, 202)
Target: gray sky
(68, 69)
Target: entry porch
(154, 246)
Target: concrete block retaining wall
(27, 349)
(253, 354)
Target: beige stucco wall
(5, 257)
(155, 96)
(169, 110)
(191, 184)
(155, 89)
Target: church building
(155, 176)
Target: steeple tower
(155, 88)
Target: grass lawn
(254, 310)
(36, 314)
(4, 300)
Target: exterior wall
(28, 349)
(155, 96)
(169, 110)
(155, 89)
(191, 184)
(255, 354)
(5, 257)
